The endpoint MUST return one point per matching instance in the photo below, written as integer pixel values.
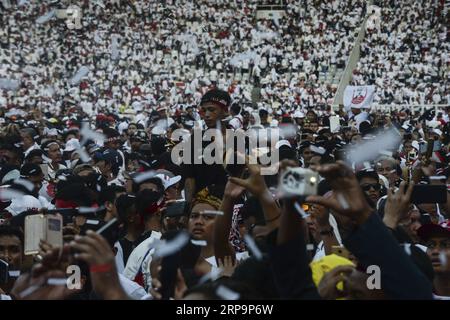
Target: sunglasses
(375, 186)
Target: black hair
(11, 231)
(144, 199)
(124, 204)
(109, 193)
(235, 108)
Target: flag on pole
(359, 97)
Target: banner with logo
(359, 97)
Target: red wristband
(101, 268)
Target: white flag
(359, 97)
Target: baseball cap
(30, 170)
(167, 180)
(429, 230)
(71, 145)
(369, 173)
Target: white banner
(359, 97)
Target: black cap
(370, 173)
(30, 170)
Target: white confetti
(106, 226)
(253, 247)
(300, 210)
(81, 73)
(438, 178)
(371, 149)
(342, 201)
(93, 222)
(318, 150)
(170, 247)
(84, 156)
(213, 275)
(226, 293)
(46, 17)
(14, 273)
(310, 247)
(144, 176)
(90, 209)
(367, 165)
(88, 134)
(28, 291)
(407, 248)
(201, 243)
(213, 212)
(57, 281)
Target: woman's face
(201, 224)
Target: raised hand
(95, 250)
(347, 198)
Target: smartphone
(426, 193)
(42, 227)
(340, 251)
(4, 272)
(334, 124)
(176, 209)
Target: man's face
(386, 169)
(10, 157)
(407, 147)
(438, 247)
(54, 153)
(27, 140)
(131, 129)
(307, 155)
(314, 163)
(11, 251)
(212, 114)
(171, 193)
(314, 126)
(201, 225)
(371, 188)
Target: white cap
(437, 131)
(298, 114)
(168, 181)
(24, 203)
(72, 144)
(415, 145)
(281, 143)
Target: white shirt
(131, 288)
(140, 259)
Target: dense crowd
(143, 52)
(406, 53)
(92, 177)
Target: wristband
(100, 268)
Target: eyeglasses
(367, 186)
